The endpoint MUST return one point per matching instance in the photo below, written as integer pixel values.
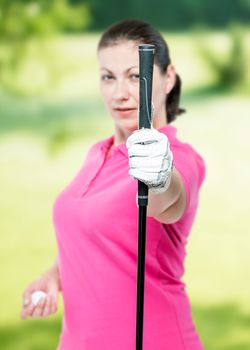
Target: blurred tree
(169, 14)
(105, 13)
(230, 66)
(22, 20)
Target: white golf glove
(150, 159)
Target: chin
(128, 127)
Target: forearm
(168, 206)
(53, 272)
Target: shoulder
(186, 158)
(101, 145)
(189, 164)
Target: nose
(121, 90)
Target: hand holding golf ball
(39, 304)
(40, 298)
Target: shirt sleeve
(191, 167)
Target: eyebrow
(126, 71)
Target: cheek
(135, 89)
(134, 94)
(155, 99)
(106, 93)
(158, 96)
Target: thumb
(27, 295)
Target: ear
(170, 76)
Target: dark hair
(143, 32)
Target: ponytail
(173, 100)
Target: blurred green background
(51, 112)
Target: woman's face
(119, 82)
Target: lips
(124, 109)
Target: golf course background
(50, 114)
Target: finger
(27, 310)
(37, 312)
(23, 314)
(26, 297)
(151, 164)
(145, 135)
(145, 150)
(47, 309)
(28, 291)
(54, 303)
(39, 308)
(140, 150)
(42, 302)
(147, 178)
(53, 308)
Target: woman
(95, 217)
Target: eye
(107, 77)
(134, 77)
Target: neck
(159, 122)
(122, 135)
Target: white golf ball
(37, 296)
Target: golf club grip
(146, 62)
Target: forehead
(121, 55)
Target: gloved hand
(150, 159)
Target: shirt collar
(106, 144)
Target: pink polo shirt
(95, 220)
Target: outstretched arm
(151, 161)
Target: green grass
(43, 142)
(221, 327)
